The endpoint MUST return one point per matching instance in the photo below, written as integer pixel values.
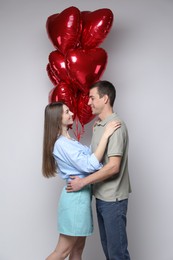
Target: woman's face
(67, 116)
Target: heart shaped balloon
(96, 26)
(84, 112)
(54, 79)
(64, 29)
(85, 66)
(63, 92)
(58, 66)
(51, 19)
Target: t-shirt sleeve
(116, 143)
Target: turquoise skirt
(75, 213)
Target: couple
(107, 161)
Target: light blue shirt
(74, 158)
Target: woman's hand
(111, 127)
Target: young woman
(69, 157)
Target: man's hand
(75, 184)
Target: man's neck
(105, 114)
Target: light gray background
(140, 64)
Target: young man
(111, 184)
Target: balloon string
(82, 130)
(79, 132)
(77, 129)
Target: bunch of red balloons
(77, 62)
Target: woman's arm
(109, 129)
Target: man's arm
(110, 169)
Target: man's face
(96, 102)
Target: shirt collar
(107, 119)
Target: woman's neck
(66, 133)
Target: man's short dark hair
(105, 88)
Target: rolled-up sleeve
(76, 155)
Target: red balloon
(64, 29)
(96, 26)
(57, 69)
(58, 66)
(63, 92)
(54, 79)
(50, 21)
(85, 66)
(84, 112)
(84, 16)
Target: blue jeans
(112, 225)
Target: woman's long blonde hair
(52, 129)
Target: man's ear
(106, 99)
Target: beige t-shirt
(117, 187)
